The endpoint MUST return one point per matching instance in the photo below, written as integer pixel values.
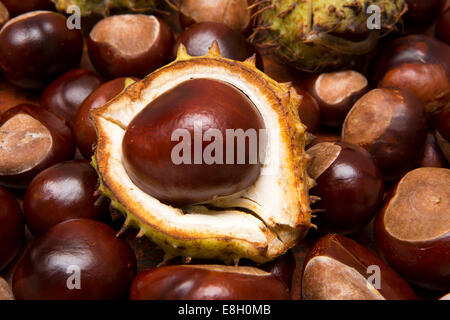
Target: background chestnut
(412, 231)
(422, 12)
(37, 47)
(199, 37)
(391, 125)
(442, 30)
(16, 7)
(443, 132)
(5, 290)
(4, 14)
(62, 192)
(75, 248)
(131, 45)
(32, 139)
(338, 268)
(84, 131)
(308, 111)
(349, 184)
(65, 95)
(11, 227)
(418, 63)
(336, 92)
(432, 155)
(282, 267)
(207, 282)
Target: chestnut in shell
(83, 129)
(412, 231)
(31, 140)
(65, 95)
(129, 45)
(62, 192)
(417, 63)
(185, 146)
(11, 227)
(78, 259)
(207, 282)
(443, 132)
(391, 125)
(349, 185)
(37, 47)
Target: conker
(207, 282)
(131, 45)
(4, 14)
(84, 131)
(417, 63)
(37, 47)
(16, 7)
(199, 37)
(422, 12)
(65, 95)
(282, 267)
(62, 192)
(443, 27)
(432, 155)
(31, 140)
(196, 108)
(443, 132)
(412, 231)
(308, 111)
(391, 125)
(11, 228)
(5, 290)
(349, 185)
(78, 259)
(338, 268)
(336, 92)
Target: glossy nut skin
(308, 111)
(349, 184)
(16, 8)
(62, 192)
(282, 267)
(65, 95)
(443, 132)
(417, 63)
(327, 274)
(83, 129)
(148, 144)
(432, 155)
(11, 227)
(37, 47)
(442, 31)
(391, 125)
(62, 147)
(106, 263)
(422, 12)
(199, 37)
(207, 282)
(115, 55)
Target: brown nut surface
(31, 139)
(443, 27)
(16, 7)
(443, 132)
(5, 290)
(432, 155)
(422, 12)
(308, 111)
(129, 45)
(4, 14)
(412, 231)
(338, 268)
(207, 282)
(391, 125)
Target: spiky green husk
(300, 32)
(104, 7)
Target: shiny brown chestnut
(167, 151)
(207, 282)
(338, 268)
(11, 227)
(129, 45)
(199, 37)
(65, 95)
(282, 267)
(16, 8)
(418, 63)
(83, 129)
(391, 125)
(412, 231)
(37, 47)
(308, 111)
(442, 31)
(432, 155)
(62, 192)
(443, 132)
(336, 92)
(78, 259)
(349, 185)
(4, 15)
(421, 13)
(32, 139)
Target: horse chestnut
(16, 8)
(443, 27)
(412, 231)
(207, 282)
(65, 95)
(78, 259)
(391, 125)
(432, 155)
(37, 47)
(308, 111)
(443, 132)
(31, 140)
(4, 15)
(195, 111)
(422, 12)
